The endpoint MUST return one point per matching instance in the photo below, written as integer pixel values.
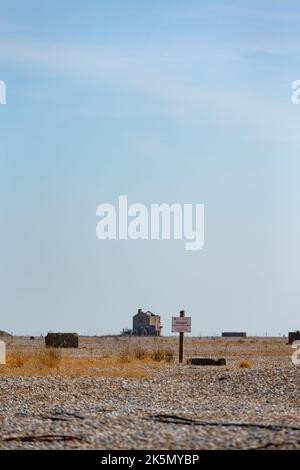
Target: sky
(165, 102)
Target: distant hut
(62, 340)
(234, 334)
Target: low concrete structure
(234, 334)
(206, 361)
(62, 340)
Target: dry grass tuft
(245, 364)
(126, 356)
(160, 355)
(140, 353)
(169, 355)
(50, 358)
(16, 359)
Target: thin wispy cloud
(160, 76)
(266, 15)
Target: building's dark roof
(147, 313)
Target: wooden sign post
(181, 325)
(181, 339)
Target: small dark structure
(146, 324)
(294, 336)
(206, 361)
(234, 334)
(126, 332)
(62, 340)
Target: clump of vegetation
(140, 353)
(245, 364)
(169, 355)
(126, 356)
(158, 355)
(50, 358)
(16, 359)
(4, 333)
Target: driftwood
(206, 361)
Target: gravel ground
(181, 407)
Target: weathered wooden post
(181, 339)
(181, 325)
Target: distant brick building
(146, 324)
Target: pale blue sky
(164, 101)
